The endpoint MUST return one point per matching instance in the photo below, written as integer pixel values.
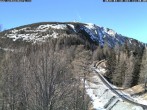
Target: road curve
(117, 93)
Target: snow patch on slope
(47, 26)
(90, 26)
(97, 104)
(72, 26)
(140, 100)
(34, 35)
(101, 35)
(110, 32)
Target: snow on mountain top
(72, 26)
(96, 33)
(101, 35)
(56, 26)
(40, 32)
(110, 32)
(90, 25)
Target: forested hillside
(43, 64)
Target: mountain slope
(39, 32)
(90, 35)
(56, 57)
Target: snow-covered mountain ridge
(39, 32)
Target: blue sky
(129, 19)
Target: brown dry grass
(137, 90)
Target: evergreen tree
(143, 70)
